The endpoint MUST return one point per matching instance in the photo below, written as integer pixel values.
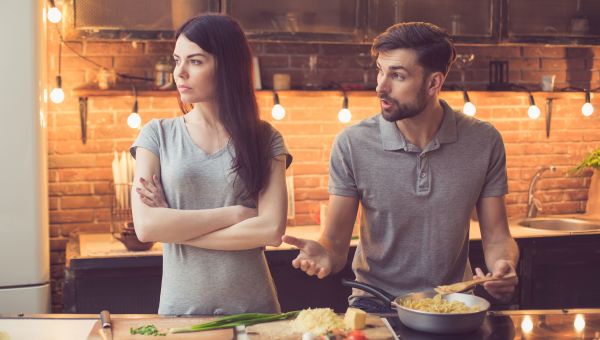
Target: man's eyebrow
(394, 67)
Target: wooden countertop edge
(313, 231)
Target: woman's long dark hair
(223, 37)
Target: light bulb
(534, 112)
(527, 324)
(54, 15)
(587, 109)
(134, 120)
(57, 95)
(469, 109)
(344, 115)
(579, 323)
(278, 112)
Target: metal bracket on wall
(548, 115)
(83, 107)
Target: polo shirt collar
(392, 138)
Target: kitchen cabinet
(554, 273)
(468, 21)
(553, 21)
(132, 284)
(560, 272)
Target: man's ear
(435, 82)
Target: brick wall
(79, 175)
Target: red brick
(72, 161)
(57, 257)
(544, 52)
(162, 48)
(137, 61)
(310, 168)
(290, 49)
(77, 63)
(306, 181)
(58, 243)
(72, 133)
(113, 48)
(71, 216)
(83, 202)
(60, 189)
(344, 49)
(53, 203)
(91, 174)
(278, 61)
(76, 147)
(57, 271)
(69, 46)
(102, 215)
(311, 194)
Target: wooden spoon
(462, 286)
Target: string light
(344, 115)
(278, 111)
(57, 95)
(587, 109)
(134, 120)
(579, 323)
(54, 15)
(534, 111)
(469, 108)
(527, 324)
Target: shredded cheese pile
(317, 321)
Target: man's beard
(402, 111)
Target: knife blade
(105, 325)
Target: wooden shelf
(122, 89)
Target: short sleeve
(147, 139)
(341, 175)
(278, 147)
(496, 182)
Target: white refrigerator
(24, 238)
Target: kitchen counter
(556, 270)
(105, 246)
(499, 325)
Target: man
(418, 169)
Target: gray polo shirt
(416, 203)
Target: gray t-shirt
(196, 280)
(416, 203)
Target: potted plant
(592, 161)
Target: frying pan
(439, 323)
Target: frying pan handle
(377, 292)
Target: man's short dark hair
(433, 45)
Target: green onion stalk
(231, 321)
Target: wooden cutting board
(375, 330)
(121, 328)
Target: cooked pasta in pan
(438, 305)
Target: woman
(212, 182)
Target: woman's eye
(176, 61)
(195, 62)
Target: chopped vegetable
(146, 330)
(246, 319)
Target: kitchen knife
(105, 325)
